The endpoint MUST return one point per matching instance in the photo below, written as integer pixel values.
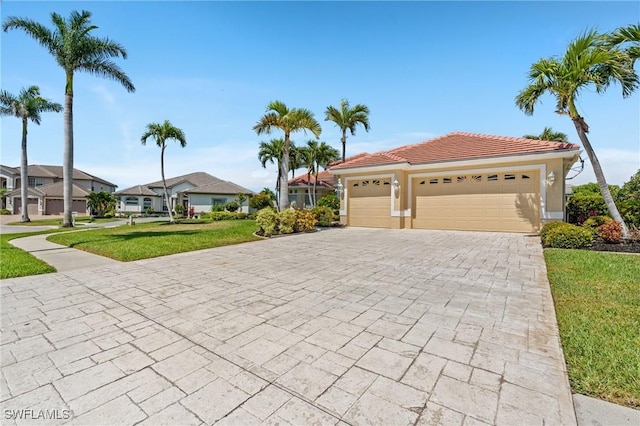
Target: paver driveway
(359, 326)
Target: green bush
(548, 227)
(5, 211)
(324, 215)
(628, 201)
(287, 221)
(227, 216)
(232, 206)
(329, 200)
(260, 201)
(267, 221)
(217, 208)
(595, 221)
(584, 205)
(568, 236)
(179, 209)
(305, 221)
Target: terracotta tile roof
(137, 190)
(325, 179)
(457, 146)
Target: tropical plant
(162, 133)
(74, 49)
(330, 200)
(27, 105)
(260, 201)
(317, 154)
(101, 202)
(626, 37)
(279, 116)
(232, 206)
(296, 158)
(548, 134)
(629, 200)
(347, 118)
(271, 152)
(586, 62)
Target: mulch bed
(630, 246)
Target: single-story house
(45, 189)
(199, 190)
(459, 181)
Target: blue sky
(423, 68)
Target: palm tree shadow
(528, 209)
(132, 236)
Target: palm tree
(101, 202)
(162, 133)
(317, 155)
(271, 152)
(28, 105)
(347, 119)
(586, 62)
(628, 36)
(74, 49)
(296, 158)
(548, 134)
(278, 116)
(308, 154)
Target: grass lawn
(15, 262)
(146, 240)
(597, 301)
(57, 221)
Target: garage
(32, 206)
(56, 206)
(370, 202)
(508, 202)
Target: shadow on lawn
(132, 236)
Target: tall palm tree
(628, 37)
(548, 134)
(28, 105)
(348, 119)
(162, 133)
(271, 152)
(586, 62)
(74, 49)
(296, 158)
(279, 116)
(309, 153)
(325, 155)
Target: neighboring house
(45, 192)
(459, 181)
(198, 190)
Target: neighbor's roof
(325, 179)
(53, 190)
(137, 190)
(219, 187)
(195, 179)
(38, 170)
(455, 147)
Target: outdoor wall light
(551, 178)
(396, 184)
(339, 189)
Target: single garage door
(369, 203)
(507, 202)
(32, 206)
(56, 206)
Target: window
(509, 177)
(365, 182)
(492, 178)
(526, 177)
(34, 181)
(433, 182)
(476, 178)
(461, 179)
(422, 182)
(376, 182)
(446, 180)
(146, 203)
(131, 201)
(221, 201)
(356, 185)
(386, 182)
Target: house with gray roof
(199, 190)
(45, 192)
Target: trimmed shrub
(217, 208)
(568, 236)
(287, 221)
(260, 201)
(324, 215)
(595, 221)
(227, 216)
(611, 232)
(329, 200)
(5, 211)
(548, 227)
(179, 209)
(305, 221)
(582, 206)
(232, 206)
(267, 220)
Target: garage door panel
(370, 205)
(478, 204)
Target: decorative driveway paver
(349, 326)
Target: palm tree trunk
(67, 158)
(164, 183)
(344, 144)
(284, 174)
(581, 128)
(315, 188)
(24, 175)
(309, 187)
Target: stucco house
(459, 181)
(45, 189)
(301, 187)
(199, 190)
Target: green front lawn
(15, 262)
(597, 301)
(57, 221)
(146, 240)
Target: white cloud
(104, 94)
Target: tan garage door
(56, 206)
(507, 202)
(32, 206)
(369, 203)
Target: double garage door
(508, 202)
(56, 206)
(32, 206)
(478, 202)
